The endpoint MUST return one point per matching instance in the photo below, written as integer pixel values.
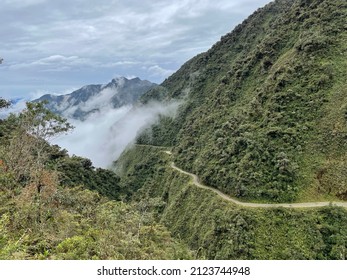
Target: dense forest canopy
(265, 111)
(263, 119)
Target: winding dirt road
(196, 182)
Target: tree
(3, 103)
(27, 151)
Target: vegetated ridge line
(196, 182)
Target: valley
(240, 154)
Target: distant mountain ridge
(92, 98)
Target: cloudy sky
(56, 46)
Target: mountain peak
(90, 98)
(119, 79)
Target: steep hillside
(264, 117)
(217, 229)
(92, 98)
(263, 120)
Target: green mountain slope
(263, 119)
(217, 229)
(264, 116)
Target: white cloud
(14, 108)
(118, 63)
(70, 42)
(100, 102)
(106, 134)
(53, 62)
(156, 70)
(124, 132)
(63, 44)
(90, 138)
(21, 3)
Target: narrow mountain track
(196, 182)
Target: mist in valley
(105, 134)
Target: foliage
(4, 103)
(134, 172)
(74, 171)
(25, 152)
(73, 223)
(41, 123)
(264, 119)
(216, 229)
(262, 105)
(47, 211)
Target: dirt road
(196, 181)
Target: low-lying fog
(104, 135)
